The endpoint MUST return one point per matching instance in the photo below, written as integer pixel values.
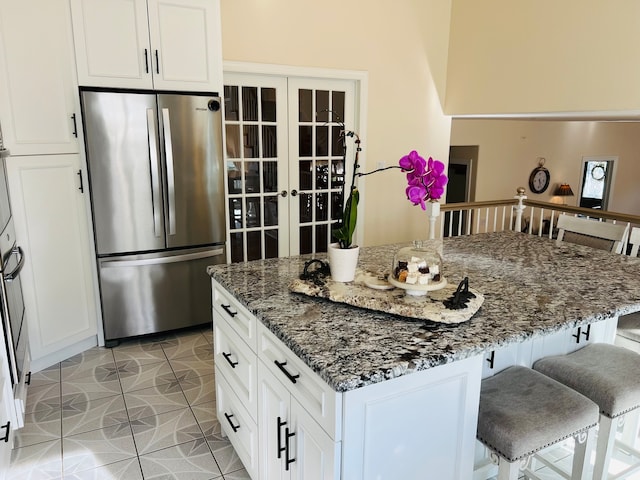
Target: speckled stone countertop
(532, 286)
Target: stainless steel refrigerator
(157, 193)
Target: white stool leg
(508, 470)
(584, 444)
(606, 437)
(631, 427)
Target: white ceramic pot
(343, 262)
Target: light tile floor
(142, 410)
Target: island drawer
(317, 397)
(237, 424)
(239, 318)
(238, 364)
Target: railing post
(521, 197)
(433, 210)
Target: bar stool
(523, 411)
(610, 376)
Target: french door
(285, 162)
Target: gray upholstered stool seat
(523, 411)
(629, 326)
(607, 374)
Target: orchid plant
(426, 179)
(425, 183)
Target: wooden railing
(519, 213)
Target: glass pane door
(285, 162)
(317, 170)
(257, 166)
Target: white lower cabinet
(7, 412)
(51, 223)
(304, 430)
(292, 444)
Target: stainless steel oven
(12, 308)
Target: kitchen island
(393, 397)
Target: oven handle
(16, 271)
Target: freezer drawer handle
(234, 427)
(227, 308)
(281, 365)
(7, 428)
(227, 357)
(162, 260)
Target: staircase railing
(519, 214)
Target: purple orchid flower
(425, 179)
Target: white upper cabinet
(39, 107)
(160, 44)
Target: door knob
(294, 193)
(283, 193)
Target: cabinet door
(186, 44)
(6, 414)
(273, 426)
(51, 226)
(38, 89)
(317, 456)
(112, 43)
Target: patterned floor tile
(223, 451)
(241, 474)
(142, 353)
(199, 389)
(191, 460)
(89, 388)
(123, 470)
(165, 430)
(134, 376)
(45, 397)
(97, 362)
(154, 400)
(45, 377)
(37, 462)
(195, 366)
(96, 448)
(80, 417)
(186, 345)
(205, 414)
(40, 426)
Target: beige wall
(403, 49)
(524, 56)
(508, 151)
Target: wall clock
(539, 178)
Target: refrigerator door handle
(155, 178)
(162, 260)
(171, 193)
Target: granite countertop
(532, 286)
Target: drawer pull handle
(577, 335)
(491, 359)
(234, 427)
(287, 460)
(27, 380)
(7, 428)
(280, 448)
(281, 365)
(227, 357)
(227, 308)
(587, 333)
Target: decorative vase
(343, 262)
